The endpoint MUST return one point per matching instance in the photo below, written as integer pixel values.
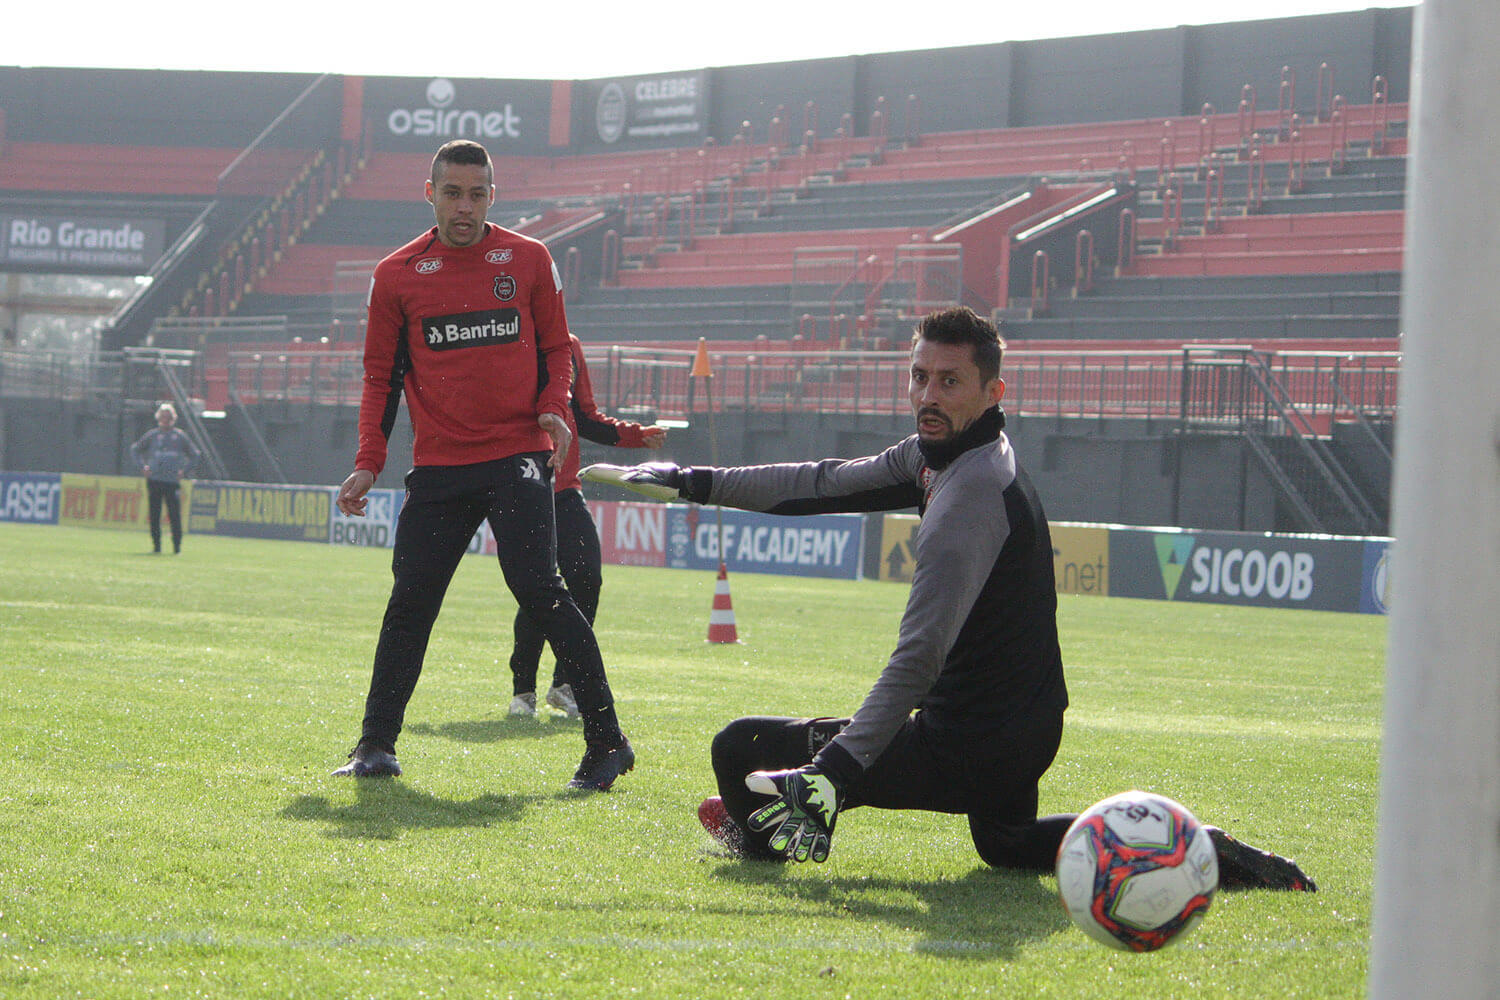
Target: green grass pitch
(168, 826)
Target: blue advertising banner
(1225, 567)
(828, 545)
(377, 529)
(294, 513)
(1375, 581)
(30, 497)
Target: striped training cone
(721, 618)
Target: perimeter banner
(108, 501)
(377, 529)
(898, 547)
(826, 545)
(1080, 558)
(245, 510)
(30, 497)
(1375, 584)
(1223, 567)
(631, 534)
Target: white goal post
(1437, 872)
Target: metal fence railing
(60, 375)
(1330, 386)
(1325, 386)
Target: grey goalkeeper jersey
(978, 645)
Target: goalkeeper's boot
(1244, 867)
(370, 760)
(524, 705)
(561, 698)
(602, 764)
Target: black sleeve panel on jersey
(424, 248)
(898, 496)
(400, 365)
(596, 431)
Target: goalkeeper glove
(657, 480)
(658, 475)
(802, 817)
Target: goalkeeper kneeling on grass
(967, 715)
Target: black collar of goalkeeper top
(985, 429)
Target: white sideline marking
(1064, 940)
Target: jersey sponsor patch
(472, 329)
(429, 265)
(499, 256)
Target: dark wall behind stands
(1122, 472)
(1162, 73)
(144, 107)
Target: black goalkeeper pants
(989, 776)
(579, 561)
(443, 508)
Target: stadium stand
(156, 171)
(730, 241)
(1126, 252)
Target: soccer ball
(1136, 871)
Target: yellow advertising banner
(1080, 554)
(249, 510)
(1080, 559)
(107, 501)
(898, 553)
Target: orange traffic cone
(721, 618)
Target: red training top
(477, 338)
(584, 419)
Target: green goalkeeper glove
(806, 808)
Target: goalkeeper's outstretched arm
(888, 481)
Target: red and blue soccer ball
(1137, 871)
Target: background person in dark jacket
(166, 456)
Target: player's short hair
(463, 151)
(167, 408)
(962, 325)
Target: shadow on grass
(984, 914)
(496, 730)
(384, 807)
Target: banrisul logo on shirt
(472, 329)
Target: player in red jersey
(467, 322)
(578, 555)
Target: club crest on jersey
(472, 329)
(499, 256)
(505, 287)
(429, 265)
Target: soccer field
(170, 828)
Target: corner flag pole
(701, 369)
(721, 617)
